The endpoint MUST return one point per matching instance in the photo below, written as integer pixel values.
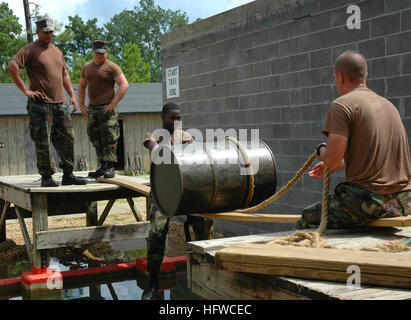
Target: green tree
(11, 39)
(83, 35)
(134, 69)
(76, 65)
(144, 25)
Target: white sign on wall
(172, 83)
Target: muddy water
(174, 287)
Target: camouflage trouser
(158, 234)
(351, 206)
(51, 121)
(103, 130)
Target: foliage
(134, 38)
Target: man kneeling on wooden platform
(367, 139)
(171, 116)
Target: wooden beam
(377, 268)
(6, 206)
(137, 215)
(129, 184)
(79, 236)
(20, 198)
(292, 218)
(27, 241)
(41, 259)
(106, 211)
(213, 284)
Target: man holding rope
(367, 139)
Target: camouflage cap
(100, 46)
(45, 25)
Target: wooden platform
(211, 283)
(23, 197)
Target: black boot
(48, 181)
(69, 178)
(150, 292)
(109, 173)
(98, 173)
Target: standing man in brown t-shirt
(100, 76)
(367, 139)
(49, 115)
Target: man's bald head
(353, 65)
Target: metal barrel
(210, 177)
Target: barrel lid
(167, 186)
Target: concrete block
(261, 69)
(254, 86)
(270, 51)
(396, 5)
(332, 37)
(378, 86)
(309, 42)
(288, 47)
(357, 35)
(406, 20)
(301, 130)
(279, 33)
(279, 66)
(271, 83)
(289, 80)
(300, 96)
(38, 283)
(299, 62)
(311, 113)
(230, 75)
(290, 114)
(310, 78)
(272, 115)
(339, 17)
(399, 86)
(399, 43)
(321, 94)
(299, 27)
(372, 8)
(245, 72)
(385, 25)
(327, 75)
(321, 58)
(372, 48)
(327, 4)
(231, 103)
(248, 102)
(407, 108)
(384, 67)
(282, 131)
(259, 38)
(320, 22)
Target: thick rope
(249, 167)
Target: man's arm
(121, 92)
(332, 156)
(15, 74)
(81, 96)
(69, 88)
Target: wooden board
(292, 218)
(377, 268)
(129, 184)
(79, 236)
(213, 284)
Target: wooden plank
(4, 159)
(129, 184)
(292, 218)
(6, 206)
(136, 214)
(40, 223)
(12, 152)
(377, 268)
(80, 236)
(21, 163)
(27, 241)
(213, 284)
(105, 212)
(20, 198)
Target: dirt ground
(97, 254)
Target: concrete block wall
(268, 65)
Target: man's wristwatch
(319, 147)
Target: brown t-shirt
(100, 81)
(178, 137)
(378, 156)
(44, 65)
